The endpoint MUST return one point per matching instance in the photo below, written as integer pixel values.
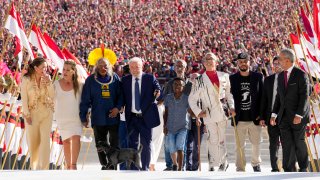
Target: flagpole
(25, 160)
(309, 100)
(58, 157)
(11, 137)
(310, 77)
(302, 45)
(20, 143)
(54, 32)
(308, 7)
(85, 156)
(199, 142)
(313, 142)
(6, 17)
(313, 166)
(83, 134)
(7, 119)
(51, 147)
(312, 82)
(4, 48)
(29, 32)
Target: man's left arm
(156, 87)
(259, 95)
(303, 91)
(120, 98)
(229, 96)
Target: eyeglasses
(276, 64)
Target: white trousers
(216, 143)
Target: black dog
(116, 156)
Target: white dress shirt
(133, 106)
(274, 93)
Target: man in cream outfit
(208, 93)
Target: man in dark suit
(291, 111)
(246, 88)
(140, 90)
(268, 97)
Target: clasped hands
(112, 114)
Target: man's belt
(139, 115)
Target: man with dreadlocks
(209, 92)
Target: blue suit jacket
(149, 109)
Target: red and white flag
(311, 51)
(296, 46)
(47, 47)
(18, 51)
(55, 53)
(15, 27)
(309, 27)
(302, 62)
(35, 38)
(316, 18)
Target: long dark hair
(35, 63)
(75, 79)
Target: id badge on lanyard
(105, 92)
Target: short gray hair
(289, 53)
(136, 60)
(210, 54)
(182, 61)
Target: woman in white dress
(68, 93)
(157, 138)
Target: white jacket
(209, 95)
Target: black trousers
(100, 134)
(274, 144)
(293, 145)
(192, 161)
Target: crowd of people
(162, 31)
(195, 45)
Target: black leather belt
(139, 115)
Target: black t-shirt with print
(245, 105)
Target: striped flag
(48, 48)
(15, 27)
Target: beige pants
(216, 143)
(38, 137)
(254, 133)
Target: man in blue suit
(140, 90)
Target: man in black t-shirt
(246, 88)
(245, 98)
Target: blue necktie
(137, 95)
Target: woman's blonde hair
(75, 79)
